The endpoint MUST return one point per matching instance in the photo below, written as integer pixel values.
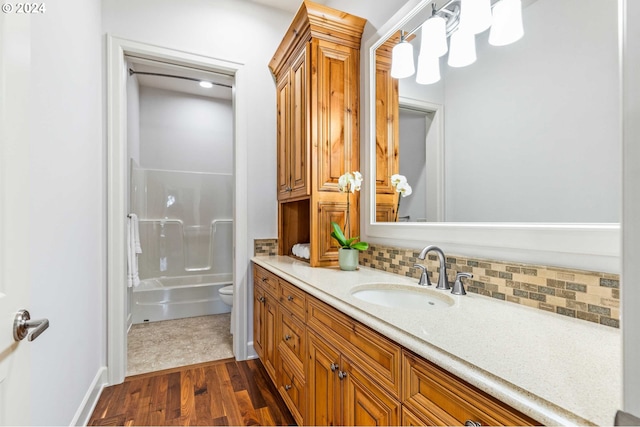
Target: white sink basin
(403, 297)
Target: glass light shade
(434, 37)
(507, 23)
(475, 15)
(428, 69)
(402, 60)
(463, 49)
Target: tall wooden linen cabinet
(317, 72)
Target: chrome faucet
(443, 282)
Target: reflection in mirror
(529, 132)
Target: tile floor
(155, 346)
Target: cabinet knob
(342, 375)
(334, 367)
(261, 299)
(287, 387)
(264, 279)
(290, 298)
(287, 337)
(288, 189)
(471, 423)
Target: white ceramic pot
(348, 258)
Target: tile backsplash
(585, 295)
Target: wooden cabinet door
(334, 113)
(283, 136)
(364, 403)
(298, 163)
(323, 384)
(270, 341)
(258, 320)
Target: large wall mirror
(523, 142)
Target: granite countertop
(556, 369)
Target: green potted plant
(349, 247)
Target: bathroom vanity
(340, 360)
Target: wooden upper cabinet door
(387, 126)
(299, 126)
(335, 112)
(283, 134)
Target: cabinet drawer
(445, 399)
(292, 338)
(379, 355)
(293, 299)
(266, 279)
(292, 389)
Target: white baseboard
(83, 414)
(251, 352)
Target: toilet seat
(227, 290)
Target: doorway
(119, 203)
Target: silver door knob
(22, 323)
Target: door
(14, 214)
(323, 383)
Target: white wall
(532, 129)
(184, 132)
(67, 235)
(413, 133)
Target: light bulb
(475, 15)
(428, 69)
(434, 37)
(507, 23)
(402, 60)
(463, 49)
(206, 85)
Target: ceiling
(180, 84)
(288, 5)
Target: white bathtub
(166, 298)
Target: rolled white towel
(305, 250)
(296, 249)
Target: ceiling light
(206, 85)
(507, 23)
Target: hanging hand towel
(133, 249)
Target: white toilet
(226, 295)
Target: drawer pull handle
(471, 423)
(342, 375)
(261, 299)
(287, 337)
(264, 279)
(287, 387)
(290, 298)
(334, 367)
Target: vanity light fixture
(475, 15)
(463, 48)
(507, 23)
(461, 20)
(402, 59)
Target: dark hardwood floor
(220, 393)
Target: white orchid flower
(404, 189)
(350, 182)
(343, 182)
(398, 179)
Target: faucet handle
(458, 286)
(424, 277)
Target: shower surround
(186, 234)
